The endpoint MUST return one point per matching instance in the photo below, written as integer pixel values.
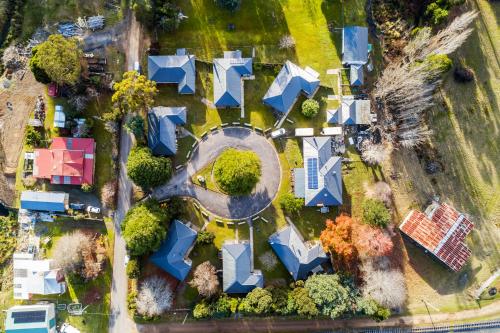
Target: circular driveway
(222, 205)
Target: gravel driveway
(219, 204)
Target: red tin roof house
(441, 230)
(68, 161)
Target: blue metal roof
(237, 277)
(162, 122)
(356, 77)
(228, 72)
(350, 112)
(323, 173)
(179, 68)
(171, 257)
(286, 87)
(44, 201)
(298, 259)
(355, 45)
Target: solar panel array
(27, 317)
(312, 173)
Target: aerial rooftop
(441, 231)
(320, 181)
(38, 318)
(350, 112)
(354, 45)
(44, 201)
(35, 277)
(68, 161)
(172, 255)
(239, 277)
(179, 68)
(289, 84)
(298, 258)
(162, 123)
(228, 74)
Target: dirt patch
(22, 93)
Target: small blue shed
(45, 201)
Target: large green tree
(134, 93)
(258, 301)
(300, 302)
(58, 58)
(333, 297)
(375, 213)
(144, 228)
(147, 170)
(237, 171)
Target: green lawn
(260, 24)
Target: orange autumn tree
(337, 240)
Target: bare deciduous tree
(387, 287)
(406, 87)
(154, 298)
(287, 42)
(374, 153)
(205, 279)
(372, 242)
(108, 193)
(268, 260)
(380, 191)
(68, 251)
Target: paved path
(217, 203)
(289, 326)
(119, 320)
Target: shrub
(463, 74)
(237, 172)
(310, 108)
(331, 295)
(375, 213)
(439, 63)
(154, 298)
(136, 126)
(229, 4)
(205, 279)
(386, 286)
(300, 302)
(436, 14)
(290, 204)
(258, 301)
(373, 310)
(205, 237)
(146, 170)
(132, 301)
(108, 193)
(87, 188)
(133, 268)
(33, 137)
(201, 310)
(287, 42)
(224, 306)
(143, 228)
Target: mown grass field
(466, 126)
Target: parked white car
(92, 209)
(278, 133)
(126, 260)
